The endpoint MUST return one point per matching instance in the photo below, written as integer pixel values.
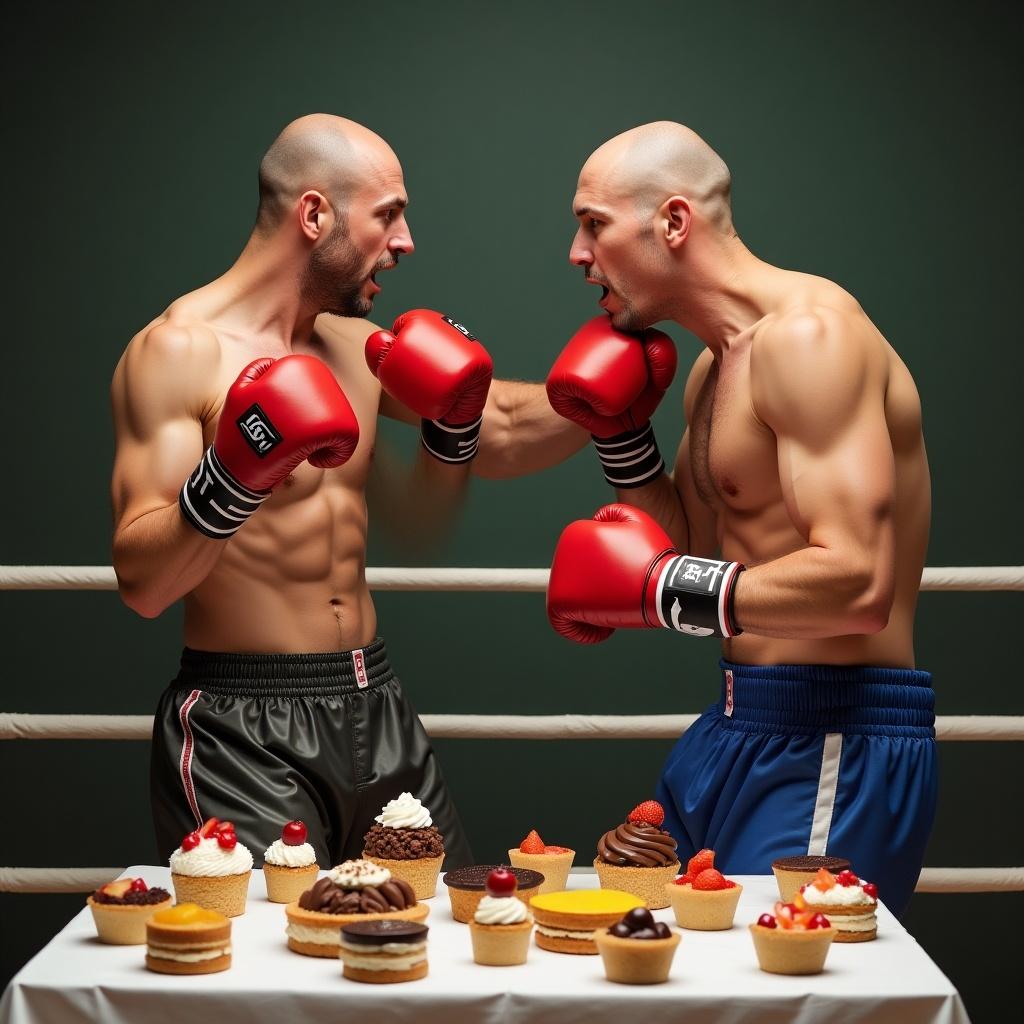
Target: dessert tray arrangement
(371, 913)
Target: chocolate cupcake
(639, 857)
(466, 887)
(406, 842)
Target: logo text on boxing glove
(258, 430)
(458, 327)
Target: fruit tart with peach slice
(121, 909)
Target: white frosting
(387, 947)
(160, 953)
(327, 936)
(404, 812)
(392, 963)
(210, 860)
(282, 855)
(357, 874)
(837, 896)
(562, 933)
(501, 910)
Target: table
(714, 978)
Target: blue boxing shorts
(810, 759)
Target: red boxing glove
(610, 382)
(278, 414)
(619, 570)
(432, 364)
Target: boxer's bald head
(332, 190)
(642, 200)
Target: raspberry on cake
(120, 910)
(848, 902)
(793, 940)
(212, 868)
(639, 856)
(501, 925)
(704, 899)
(188, 939)
(289, 864)
(637, 950)
(357, 890)
(406, 842)
(553, 862)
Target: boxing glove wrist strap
(630, 459)
(214, 502)
(451, 442)
(696, 596)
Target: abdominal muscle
(292, 580)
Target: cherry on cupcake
(766, 921)
(819, 921)
(870, 889)
(638, 918)
(138, 885)
(501, 882)
(191, 841)
(294, 833)
(227, 840)
(620, 929)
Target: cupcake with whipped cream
(501, 925)
(212, 868)
(406, 842)
(289, 864)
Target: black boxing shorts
(262, 739)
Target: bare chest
(732, 455)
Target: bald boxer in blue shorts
(794, 525)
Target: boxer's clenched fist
(278, 414)
(620, 570)
(610, 383)
(432, 364)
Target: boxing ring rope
(986, 728)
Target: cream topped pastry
(501, 924)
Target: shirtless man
(803, 461)
(285, 706)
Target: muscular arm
(157, 397)
(819, 385)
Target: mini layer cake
(847, 902)
(792, 940)
(212, 868)
(636, 950)
(188, 939)
(121, 909)
(792, 872)
(407, 843)
(500, 929)
(354, 891)
(384, 952)
(466, 887)
(553, 862)
(638, 856)
(566, 921)
(289, 864)
(703, 899)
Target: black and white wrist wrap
(696, 596)
(630, 459)
(214, 502)
(451, 442)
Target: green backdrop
(875, 144)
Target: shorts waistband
(812, 699)
(284, 675)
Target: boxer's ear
(676, 216)
(315, 215)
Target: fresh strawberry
(870, 889)
(729, 884)
(209, 827)
(686, 879)
(532, 843)
(709, 880)
(556, 849)
(650, 812)
(700, 861)
(138, 885)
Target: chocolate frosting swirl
(328, 898)
(637, 846)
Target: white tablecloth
(714, 977)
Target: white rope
(26, 880)
(100, 577)
(15, 726)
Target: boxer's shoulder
(347, 331)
